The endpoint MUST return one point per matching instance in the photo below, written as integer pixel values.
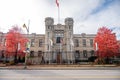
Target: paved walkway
(61, 67)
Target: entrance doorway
(59, 58)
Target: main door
(58, 58)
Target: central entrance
(59, 57)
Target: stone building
(59, 44)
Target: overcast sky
(88, 15)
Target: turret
(69, 21)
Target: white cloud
(20, 11)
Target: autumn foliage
(15, 42)
(106, 43)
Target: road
(59, 74)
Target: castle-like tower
(58, 44)
(59, 41)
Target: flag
(57, 3)
(61, 40)
(51, 42)
(96, 46)
(28, 46)
(71, 42)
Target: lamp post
(28, 44)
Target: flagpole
(61, 41)
(58, 14)
(49, 49)
(60, 49)
(49, 52)
(71, 49)
(57, 3)
(27, 28)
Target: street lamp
(28, 45)
(27, 28)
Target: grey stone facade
(59, 44)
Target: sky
(88, 15)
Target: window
(59, 35)
(84, 53)
(77, 54)
(70, 27)
(92, 52)
(70, 34)
(47, 47)
(39, 53)
(59, 40)
(2, 54)
(32, 42)
(91, 42)
(31, 53)
(49, 27)
(48, 34)
(40, 42)
(84, 42)
(76, 43)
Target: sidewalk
(62, 67)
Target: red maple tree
(15, 42)
(107, 45)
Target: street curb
(63, 67)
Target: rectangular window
(84, 42)
(48, 34)
(48, 27)
(32, 42)
(47, 47)
(69, 27)
(58, 40)
(39, 53)
(31, 53)
(76, 43)
(40, 42)
(77, 54)
(84, 53)
(92, 52)
(91, 42)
